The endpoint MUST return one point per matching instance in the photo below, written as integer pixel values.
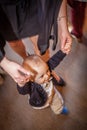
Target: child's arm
(55, 60)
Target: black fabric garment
(55, 60)
(24, 18)
(8, 1)
(13, 2)
(19, 20)
(49, 20)
(37, 94)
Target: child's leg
(18, 47)
(57, 103)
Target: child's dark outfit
(44, 95)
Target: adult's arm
(16, 71)
(64, 35)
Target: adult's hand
(66, 42)
(16, 71)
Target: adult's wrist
(62, 23)
(4, 62)
(61, 18)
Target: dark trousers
(77, 16)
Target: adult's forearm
(63, 32)
(62, 17)
(4, 63)
(63, 9)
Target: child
(41, 78)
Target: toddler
(40, 87)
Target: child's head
(40, 72)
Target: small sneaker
(65, 110)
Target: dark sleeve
(55, 60)
(2, 44)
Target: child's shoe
(65, 110)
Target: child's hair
(30, 62)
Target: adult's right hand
(16, 71)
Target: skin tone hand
(16, 71)
(66, 41)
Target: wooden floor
(17, 114)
